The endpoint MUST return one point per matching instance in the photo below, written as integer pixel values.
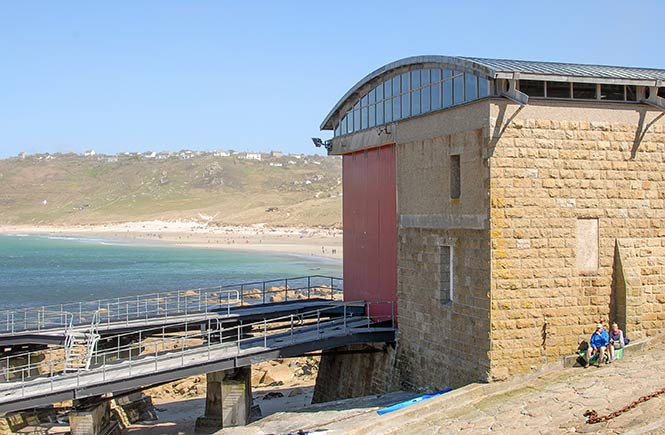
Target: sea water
(45, 270)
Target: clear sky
(137, 75)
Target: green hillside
(72, 189)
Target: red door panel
(370, 228)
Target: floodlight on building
(318, 142)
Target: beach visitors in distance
(616, 340)
(598, 344)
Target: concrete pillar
(228, 400)
(91, 419)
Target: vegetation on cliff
(221, 189)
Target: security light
(318, 142)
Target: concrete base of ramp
(228, 400)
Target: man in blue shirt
(598, 343)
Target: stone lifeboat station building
(505, 206)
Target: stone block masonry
(577, 232)
(560, 223)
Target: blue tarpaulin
(413, 401)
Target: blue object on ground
(413, 401)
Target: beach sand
(318, 242)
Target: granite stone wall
(560, 224)
(577, 231)
(443, 338)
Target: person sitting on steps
(597, 344)
(616, 342)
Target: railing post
(332, 291)
(242, 295)
(291, 328)
(265, 333)
(238, 341)
(344, 315)
(264, 292)
(208, 331)
(182, 351)
(309, 285)
(129, 349)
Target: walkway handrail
(165, 304)
(214, 337)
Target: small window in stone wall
(455, 177)
(587, 246)
(445, 274)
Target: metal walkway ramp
(39, 378)
(238, 302)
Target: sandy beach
(319, 242)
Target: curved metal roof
(514, 69)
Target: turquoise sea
(45, 270)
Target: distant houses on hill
(273, 158)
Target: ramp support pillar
(92, 417)
(228, 400)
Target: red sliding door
(370, 227)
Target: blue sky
(132, 75)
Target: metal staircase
(80, 346)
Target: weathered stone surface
(547, 298)
(228, 400)
(560, 224)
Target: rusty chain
(594, 418)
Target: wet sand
(319, 242)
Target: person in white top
(616, 340)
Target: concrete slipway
(551, 401)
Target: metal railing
(134, 354)
(169, 303)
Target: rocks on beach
(283, 373)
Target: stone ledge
(571, 360)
